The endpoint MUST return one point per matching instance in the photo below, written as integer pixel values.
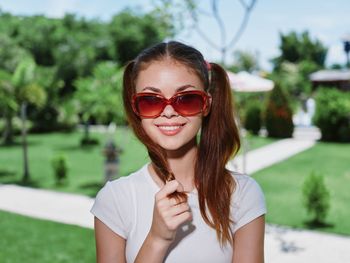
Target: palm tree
(26, 92)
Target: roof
(330, 75)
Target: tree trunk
(26, 177)
(87, 130)
(7, 135)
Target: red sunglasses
(186, 103)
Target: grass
(85, 164)
(24, 239)
(282, 184)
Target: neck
(181, 163)
(182, 166)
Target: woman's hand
(169, 213)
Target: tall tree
(27, 92)
(296, 47)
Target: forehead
(167, 74)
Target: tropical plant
(27, 91)
(99, 97)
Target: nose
(169, 112)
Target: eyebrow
(182, 88)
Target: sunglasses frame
(206, 97)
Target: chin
(176, 146)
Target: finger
(178, 209)
(179, 219)
(174, 201)
(169, 188)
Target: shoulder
(248, 201)
(114, 203)
(244, 184)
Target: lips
(170, 129)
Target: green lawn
(282, 185)
(85, 163)
(24, 239)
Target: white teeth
(169, 128)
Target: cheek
(149, 128)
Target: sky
(328, 21)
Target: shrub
(252, 120)
(316, 198)
(88, 141)
(59, 165)
(278, 115)
(332, 114)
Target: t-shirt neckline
(155, 186)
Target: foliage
(245, 61)
(300, 56)
(60, 167)
(296, 48)
(99, 96)
(131, 33)
(278, 114)
(67, 49)
(253, 119)
(316, 198)
(332, 114)
(10, 53)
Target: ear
(208, 106)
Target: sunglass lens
(189, 104)
(149, 106)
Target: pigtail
(156, 153)
(218, 142)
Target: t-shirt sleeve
(111, 207)
(248, 202)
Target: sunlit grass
(24, 239)
(282, 184)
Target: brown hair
(219, 138)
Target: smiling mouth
(170, 129)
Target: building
(331, 78)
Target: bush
(87, 141)
(59, 165)
(316, 198)
(332, 114)
(278, 115)
(252, 120)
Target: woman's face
(170, 130)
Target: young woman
(183, 206)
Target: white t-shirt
(126, 205)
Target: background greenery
(282, 185)
(24, 239)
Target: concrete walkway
(255, 160)
(282, 245)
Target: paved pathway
(263, 157)
(282, 245)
